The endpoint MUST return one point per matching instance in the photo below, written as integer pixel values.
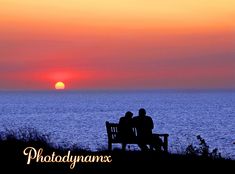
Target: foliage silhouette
(203, 150)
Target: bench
(112, 132)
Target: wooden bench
(112, 132)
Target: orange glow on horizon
(117, 44)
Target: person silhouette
(144, 125)
(125, 129)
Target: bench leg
(165, 144)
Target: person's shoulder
(148, 117)
(121, 119)
(135, 118)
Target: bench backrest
(112, 130)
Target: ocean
(78, 117)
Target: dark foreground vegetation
(12, 159)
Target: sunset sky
(117, 44)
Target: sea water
(78, 117)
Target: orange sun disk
(59, 85)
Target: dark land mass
(12, 159)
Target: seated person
(144, 125)
(125, 129)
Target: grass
(13, 143)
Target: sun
(59, 85)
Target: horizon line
(118, 90)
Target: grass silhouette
(13, 143)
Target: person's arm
(151, 123)
(133, 122)
(120, 125)
(120, 121)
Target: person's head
(129, 114)
(142, 112)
